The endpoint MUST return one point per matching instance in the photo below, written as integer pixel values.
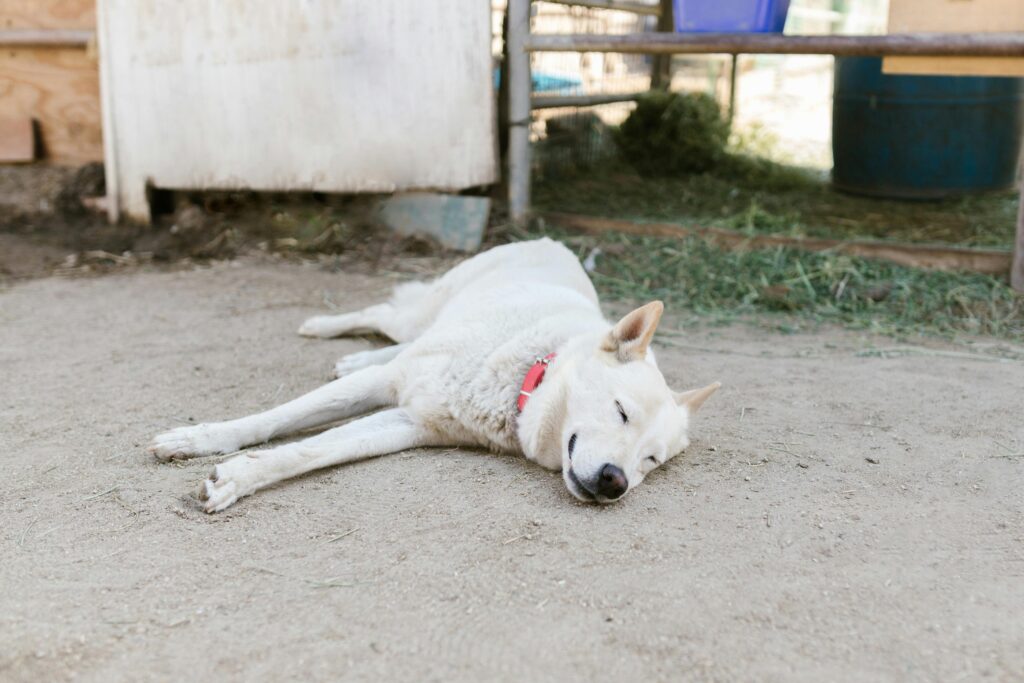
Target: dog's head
(621, 420)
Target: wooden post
(661, 65)
(111, 167)
(1017, 269)
(503, 93)
(519, 87)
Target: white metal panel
(328, 95)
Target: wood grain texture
(52, 14)
(17, 140)
(327, 95)
(960, 16)
(60, 89)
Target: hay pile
(672, 134)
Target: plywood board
(60, 89)
(56, 14)
(955, 16)
(327, 95)
(17, 140)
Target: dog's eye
(622, 413)
(652, 461)
(572, 444)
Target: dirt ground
(839, 516)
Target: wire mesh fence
(576, 139)
(783, 102)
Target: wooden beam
(919, 44)
(987, 261)
(557, 101)
(519, 87)
(50, 38)
(617, 5)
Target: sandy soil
(838, 517)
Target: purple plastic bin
(730, 16)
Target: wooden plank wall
(327, 95)
(59, 88)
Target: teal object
(923, 137)
(542, 82)
(457, 222)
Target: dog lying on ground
(508, 351)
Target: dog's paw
(228, 482)
(189, 442)
(321, 326)
(352, 362)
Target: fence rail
(904, 44)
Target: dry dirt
(839, 517)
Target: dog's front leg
(355, 394)
(385, 432)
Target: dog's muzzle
(609, 485)
(611, 482)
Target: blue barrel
(923, 137)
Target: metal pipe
(733, 73)
(519, 87)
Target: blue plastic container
(923, 137)
(730, 16)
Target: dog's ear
(694, 399)
(631, 336)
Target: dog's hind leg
(412, 308)
(370, 320)
(352, 395)
(364, 359)
(385, 432)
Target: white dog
(508, 351)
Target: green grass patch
(812, 287)
(759, 196)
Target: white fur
(465, 342)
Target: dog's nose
(612, 482)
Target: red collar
(533, 379)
